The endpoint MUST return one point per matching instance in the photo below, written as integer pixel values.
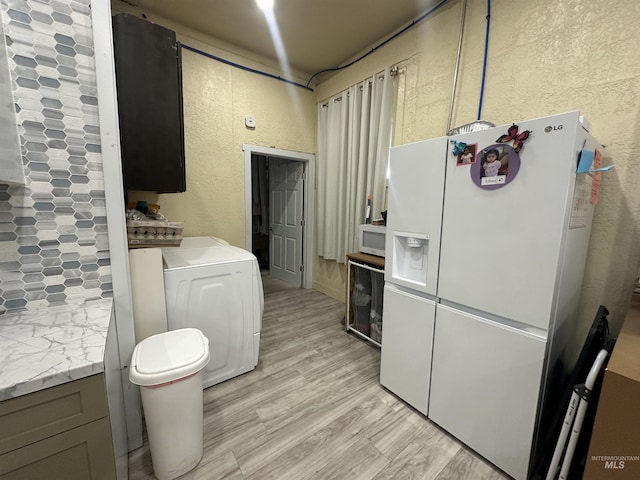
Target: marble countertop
(44, 348)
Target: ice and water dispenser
(410, 259)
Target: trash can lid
(169, 356)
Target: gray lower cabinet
(62, 432)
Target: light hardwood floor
(314, 409)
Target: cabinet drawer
(82, 453)
(30, 418)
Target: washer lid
(191, 257)
(169, 356)
(201, 242)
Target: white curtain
(354, 136)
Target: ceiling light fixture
(265, 5)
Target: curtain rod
(395, 70)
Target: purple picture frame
(510, 167)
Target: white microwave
(371, 239)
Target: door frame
(308, 199)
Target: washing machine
(216, 288)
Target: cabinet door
(81, 453)
(149, 84)
(485, 385)
(29, 418)
(405, 364)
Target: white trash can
(168, 368)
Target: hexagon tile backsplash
(53, 231)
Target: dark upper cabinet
(149, 84)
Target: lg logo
(552, 128)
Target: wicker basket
(150, 233)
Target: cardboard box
(614, 450)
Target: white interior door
(286, 206)
(485, 384)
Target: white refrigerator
(484, 266)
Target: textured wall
(53, 240)
(545, 57)
(217, 97)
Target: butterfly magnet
(518, 138)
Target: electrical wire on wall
(484, 63)
(228, 62)
(243, 67)
(335, 69)
(412, 24)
